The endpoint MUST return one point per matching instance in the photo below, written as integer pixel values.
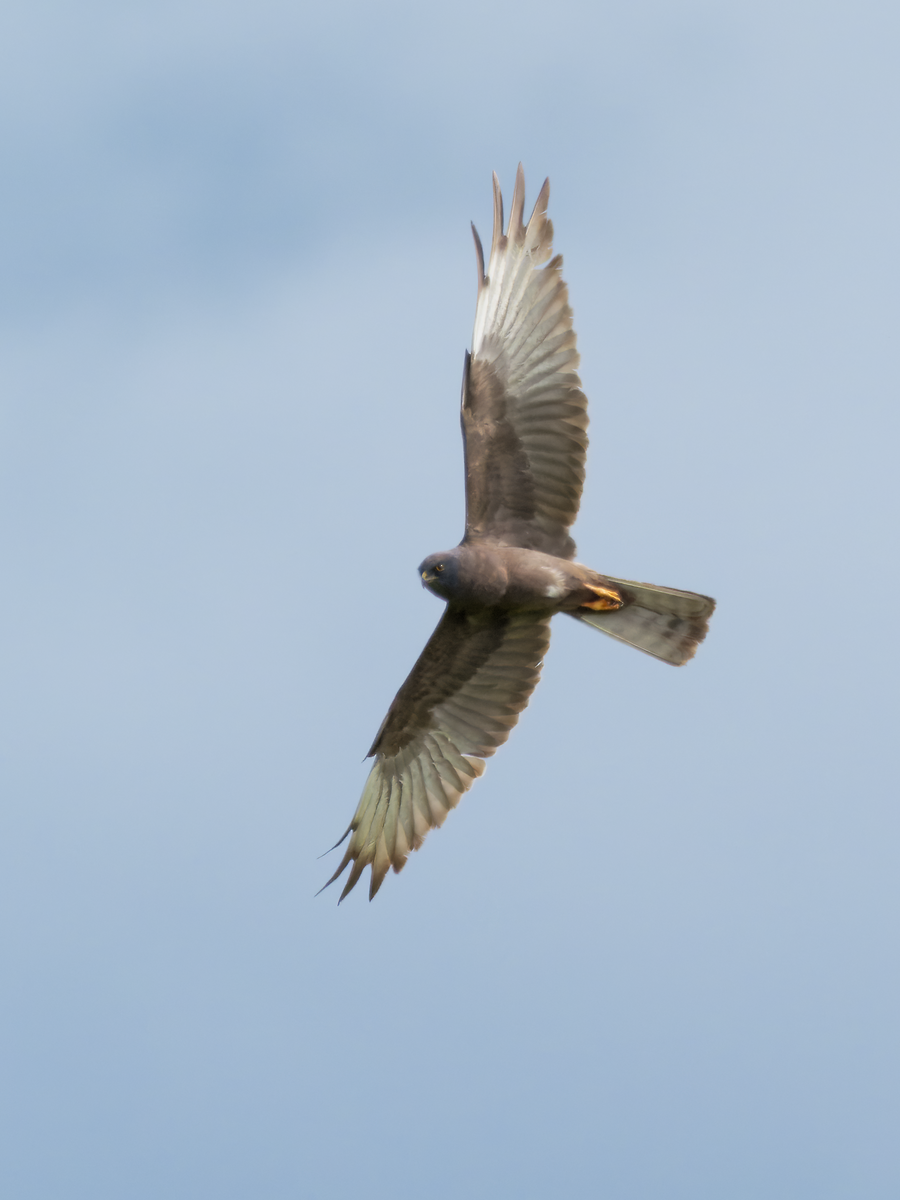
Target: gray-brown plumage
(524, 422)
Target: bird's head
(439, 573)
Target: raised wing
(458, 705)
(524, 415)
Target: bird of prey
(524, 421)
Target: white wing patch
(553, 591)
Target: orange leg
(607, 600)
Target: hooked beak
(427, 578)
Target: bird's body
(481, 575)
(524, 421)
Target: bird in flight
(524, 422)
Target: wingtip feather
(497, 237)
(479, 254)
(516, 229)
(348, 854)
(542, 203)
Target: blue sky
(653, 953)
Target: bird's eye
(438, 567)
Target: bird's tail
(661, 621)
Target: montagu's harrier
(524, 419)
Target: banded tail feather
(661, 621)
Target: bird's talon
(607, 600)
